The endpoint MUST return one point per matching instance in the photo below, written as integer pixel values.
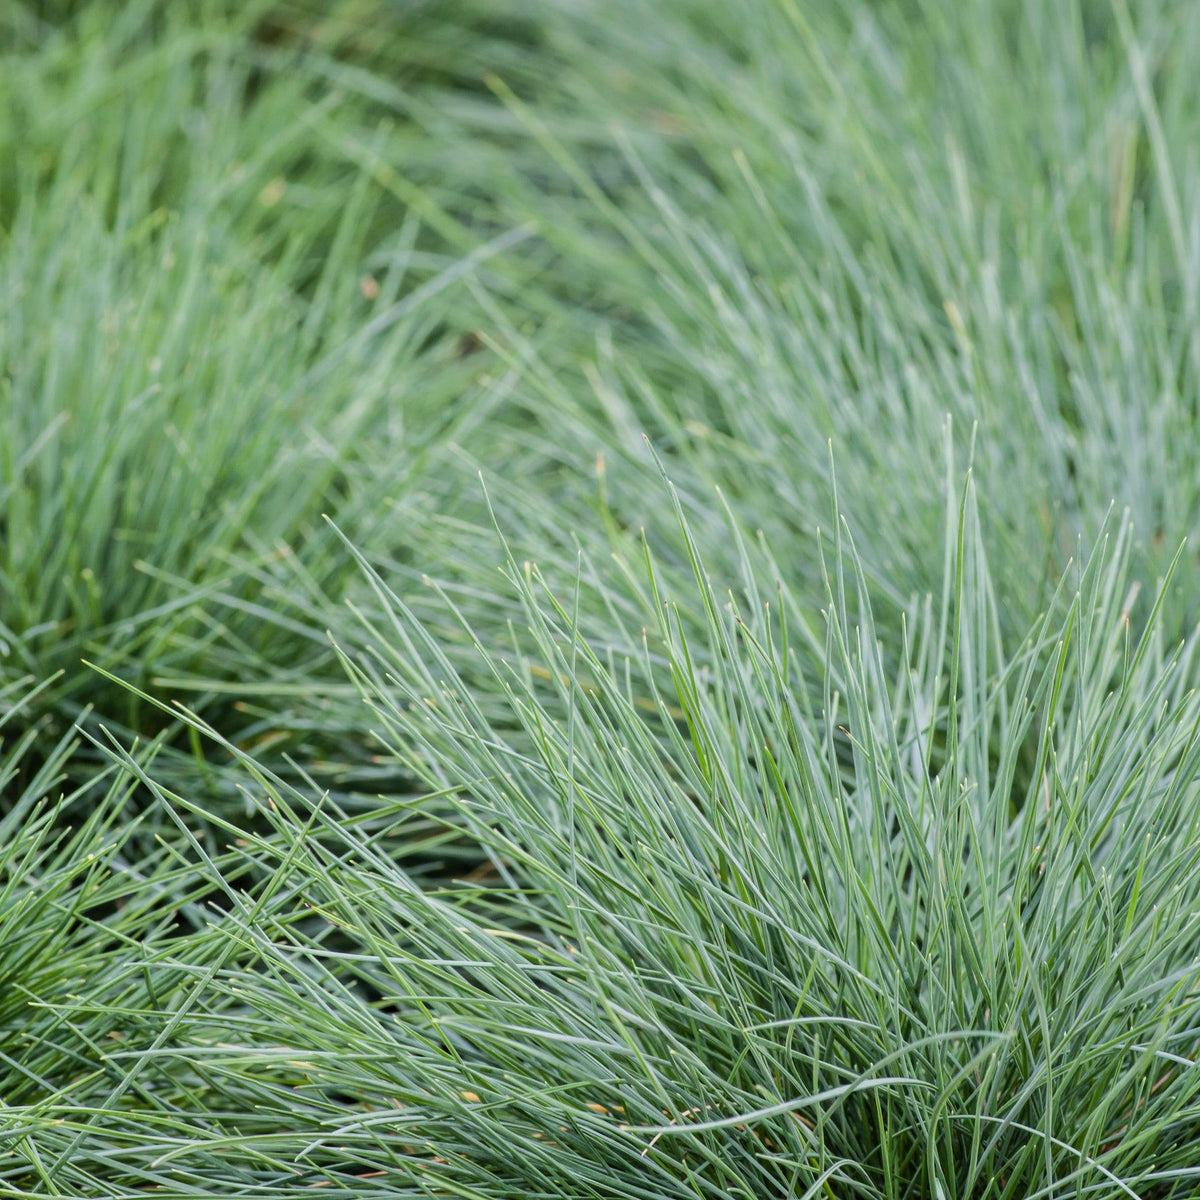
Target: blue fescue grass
(219, 328)
(764, 926)
(757, 444)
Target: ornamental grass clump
(219, 327)
(840, 221)
(755, 914)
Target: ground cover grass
(896, 212)
(734, 944)
(757, 445)
(219, 330)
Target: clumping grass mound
(930, 933)
(220, 329)
(596, 599)
(848, 221)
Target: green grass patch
(595, 600)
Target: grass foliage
(758, 753)
(218, 332)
